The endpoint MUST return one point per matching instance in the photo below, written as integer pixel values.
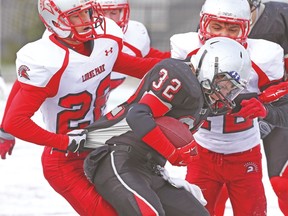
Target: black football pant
(133, 185)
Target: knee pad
(280, 187)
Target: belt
(149, 158)
(115, 147)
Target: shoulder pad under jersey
(111, 28)
(267, 55)
(183, 44)
(37, 62)
(138, 37)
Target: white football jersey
(227, 134)
(136, 42)
(136, 39)
(77, 85)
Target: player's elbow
(10, 125)
(137, 116)
(7, 126)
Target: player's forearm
(18, 120)
(154, 53)
(134, 66)
(140, 115)
(25, 129)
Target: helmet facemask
(95, 21)
(205, 33)
(232, 12)
(221, 92)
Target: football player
(67, 75)
(270, 22)
(127, 170)
(136, 40)
(229, 145)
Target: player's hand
(77, 139)
(251, 109)
(7, 142)
(274, 92)
(184, 155)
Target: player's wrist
(172, 157)
(6, 135)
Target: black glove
(77, 139)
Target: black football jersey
(272, 25)
(170, 84)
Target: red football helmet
(56, 14)
(122, 5)
(233, 12)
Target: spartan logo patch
(23, 72)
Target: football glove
(184, 155)
(77, 139)
(7, 142)
(251, 109)
(274, 92)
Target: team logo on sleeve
(23, 72)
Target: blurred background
(23, 190)
(20, 24)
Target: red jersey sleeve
(18, 122)
(134, 66)
(154, 53)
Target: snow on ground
(25, 192)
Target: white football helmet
(122, 5)
(55, 16)
(230, 11)
(223, 68)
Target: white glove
(77, 139)
(181, 183)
